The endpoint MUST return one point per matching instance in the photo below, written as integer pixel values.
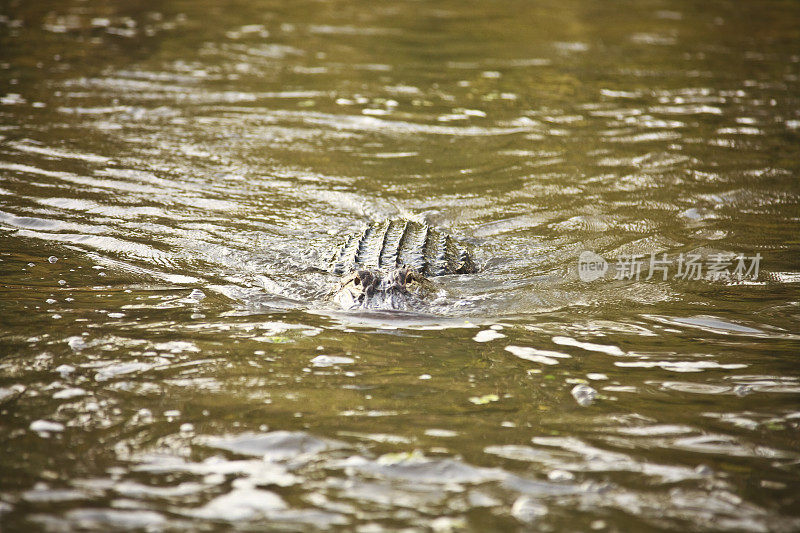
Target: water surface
(174, 177)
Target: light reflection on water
(172, 178)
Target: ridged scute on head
(394, 243)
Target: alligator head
(399, 288)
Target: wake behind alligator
(388, 265)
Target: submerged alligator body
(387, 266)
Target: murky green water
(172, 178)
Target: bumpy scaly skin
(400, 288)
(386, 266)
(397, 243)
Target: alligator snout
(398, 288)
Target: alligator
(389, 263)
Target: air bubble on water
(584, 394)
(197, 294)
(52, 259)
(526, 509)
